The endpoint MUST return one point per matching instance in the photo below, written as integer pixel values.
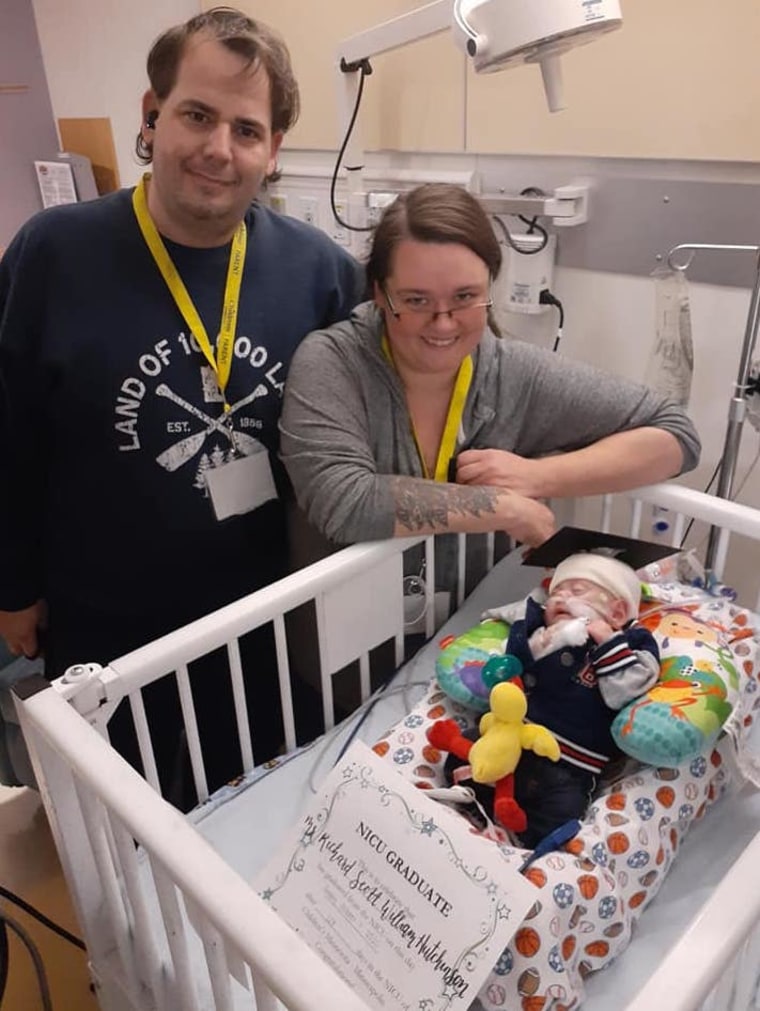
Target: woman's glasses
(422, 306)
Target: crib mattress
(232, 820)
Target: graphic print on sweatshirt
(172, 403)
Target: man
(144, 342)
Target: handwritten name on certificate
(394, 891)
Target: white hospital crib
(170, 924)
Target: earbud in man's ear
(150, 119)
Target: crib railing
(99, 808)
(118, 842)
(686, 505)
(358, 597)
(357, 594)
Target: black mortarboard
(573, 540)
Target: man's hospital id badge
(242, 485)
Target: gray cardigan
(345, 427)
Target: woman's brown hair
(434, 213)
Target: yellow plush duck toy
(493, 758)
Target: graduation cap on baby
(574, 540)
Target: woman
(412, 417)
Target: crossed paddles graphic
(175, 456)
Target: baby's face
(580, 598)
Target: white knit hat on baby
(614, 576)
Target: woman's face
(439, 291)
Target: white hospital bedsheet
(246, 827)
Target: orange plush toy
(493, 758)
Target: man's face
(212, 144)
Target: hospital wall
(681, 79)
(94, 55)
(661, 98)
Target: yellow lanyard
(222, 363)
(447, 448)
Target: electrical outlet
(338, 232)
(376, 204)
(309, 210)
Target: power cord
(532, 223)
(6, 921)
(546, 298)
(533, 227)
(4, 958)
(365, 69)
(707, 488)
(734, 497)
(35, 956)
(10, 896)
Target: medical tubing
(569, 830)
(358, 716)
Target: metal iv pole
(738, 405)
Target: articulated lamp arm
(495, 34)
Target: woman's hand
(501, 469)
(20, 629)
(528, 521)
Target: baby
(584, 657)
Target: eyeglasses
(419, 305)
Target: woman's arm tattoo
(421, 504)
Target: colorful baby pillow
(461, 661)
(680, 716)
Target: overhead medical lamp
(495, 34)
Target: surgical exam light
(495, 34)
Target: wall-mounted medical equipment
(495, 34)
(528, 270)
(502, 33)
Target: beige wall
(680, 80)
(94, 57)
(414, 99)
